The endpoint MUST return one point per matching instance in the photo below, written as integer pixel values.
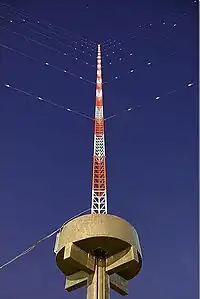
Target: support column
(98, 283)
(92, 285)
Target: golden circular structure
(105, 232)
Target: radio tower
(98, 250)
(99, 194)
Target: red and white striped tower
(99, 193)
(98, 251)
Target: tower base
(98, 251)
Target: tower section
(98, 250)
(99, 188)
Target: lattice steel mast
(98, 250)
(99, 192)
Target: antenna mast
(99, 192)
(98, 250)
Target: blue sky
(46, 152)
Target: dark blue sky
(46, 153)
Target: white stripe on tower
(99, 194)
